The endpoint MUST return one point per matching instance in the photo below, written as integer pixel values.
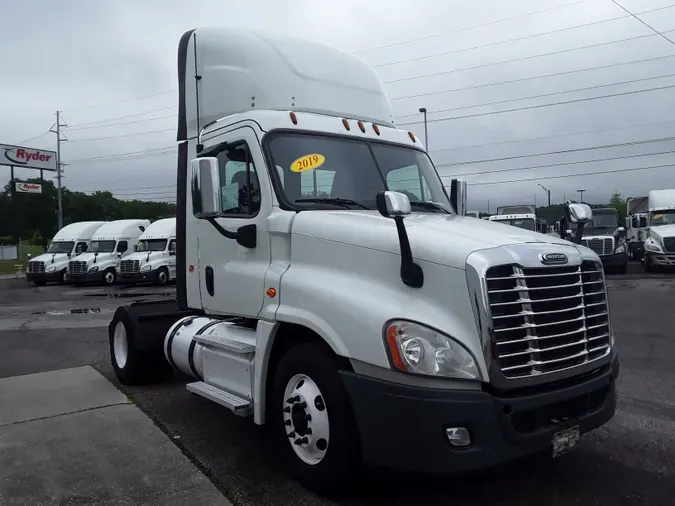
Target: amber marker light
(271, 292)
(294, 118)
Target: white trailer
(637, 214)
(111, 242)
(659, 245)
(154, 257)
(69, 242)
(363, 324)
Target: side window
(80, 248)
(410, 181)
(122, 246)
(240, 188)
(172, 246)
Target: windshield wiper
(429, 205)
(336, 200)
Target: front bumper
(661, 259)
(137, 277)
(90, 277)
(43, 277)
(615, 260)
(403, 427)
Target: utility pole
(581, 195)
(548, 192)
(59, 165)
(423, 110)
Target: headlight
(146, 268)
(620, 249)
(419, 349)
(93, 269)
(652, 246)
(51, 268)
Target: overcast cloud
(89, 59)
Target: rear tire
(131, 365)
(328, 458)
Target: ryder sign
(30, 158)
(28, 188)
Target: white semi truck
(111, 243)
(364, 325)
(637, 215)
(154, 257)
(69, 242)
(659, 245)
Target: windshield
(61, 247)
(526, 223)
(101, 247)
(666, 217)
(151, 245)
(604, 222)
(312, 167)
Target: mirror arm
(579, 232)
(245, 236)
(411, 273)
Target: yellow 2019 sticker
(308, 162)
(657, 216)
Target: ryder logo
(27, 157)
(28, 188)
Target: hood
(663, 231)
(47, 258)
(439, 238)
(142, 255)
(89, 257)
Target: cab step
(236, 404)
(237, 340)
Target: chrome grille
(669, 244)
(129, 266)
(36, 267)
(77, 267)
(548, 319)
(600, 246)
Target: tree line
(34, 217)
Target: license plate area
(564, 440)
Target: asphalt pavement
(629, 461)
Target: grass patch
(7, 266)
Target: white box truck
(154, 257)
(111, 242)
(659, 245)
(364, 325)
(69, 242)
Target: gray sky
(94, 59)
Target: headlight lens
(620, 249)
(146, 268)
(419, 349)
(652, 246)
(51, 268)
(93, 269)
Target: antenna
(200, 146)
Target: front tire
(312, 421)
(64, 277)
(109, 277)
(131, 365)
(162, 276)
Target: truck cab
(524, 221)
(605, 235)
(328, 285)
(69, 242)
(154, 256)
(111, 243)
(659, 245)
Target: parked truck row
(330, 287)
(97, 252)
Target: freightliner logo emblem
(553, 258)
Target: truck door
(232, 277)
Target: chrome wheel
(162, 277)
(109, 277)
(120, 345)
(306, 419)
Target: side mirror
(172, 252)
(391, 204)
(458, 196)
(568, 232)
(621, 230)
(579, 213)
(643, 222)
(206, 192)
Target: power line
(489, 23)
(101, 104)
(635, 15)
(127, 158)
(539, 106)
(560, 164)
(115, 155)
(33, 138)
(560, 152)
(121, 135)
(125, 122)
(532, 78)
(583, 174)
(523, 58)
(81, 125)
(551, 94)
